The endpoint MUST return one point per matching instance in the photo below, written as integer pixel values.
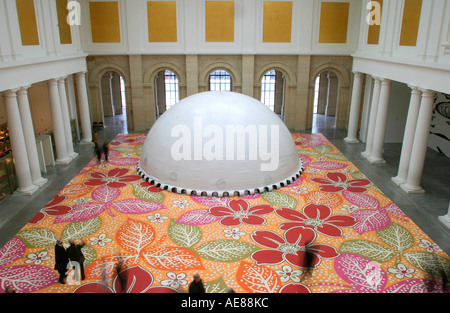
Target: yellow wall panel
(162, 21)
(277, 23)
(27, 22)
(105, 24)
(410, 22)
(373, 35)
(333, 22)
(219, 21)
(65, 36)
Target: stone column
(380, 127)
(62, 156)
(408, 138)
(18, 145)
(30, 139)
(446, 218)
(420, 145)
(333, 85)
(66, 118)
(354, 109)
(372, 117)
(83, 105)
(116, 93)
(323, 93)
(107, 99)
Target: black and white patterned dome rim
(221, 193)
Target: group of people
(100, 149)
(70, 255)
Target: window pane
(171, 87)
(220, 80)
(268, 89)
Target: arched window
(171, 89)
(220, 80)
(268, 89)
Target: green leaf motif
(397, 237)
(359, 175)
(429, 262)
(81, 229)
(307, 152)
(183, 235)
(280, 199)
(368, 249)
(139, 149)
(143, 194)
(123, 149)
(336, 157)
(323, 149)
(226, 251)
(37, 237)
(216, 286)
(90, 255)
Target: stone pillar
(372, 117)
(420, 145)
(446, 218)
(191, 74)
(30, 139)
(66, 118)
(408, 138)
(107, 99)
(18, 145)
(248, 70)
(354, 109)
(333, 85)
(323, 93)
(116, 93)
(83, 105)
(380, 127)
(62, 156)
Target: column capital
(81, 74)
(414, 88)
(358, 74)
(53, 81)
(23, 89)
(427, 93)
(61, 79)
(12, 93)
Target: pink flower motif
(337, 182)
(239, 211)
(293, 248)
(115, 178)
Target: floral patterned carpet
(331, 231)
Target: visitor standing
(196, 286)
(76, 255)
(61, 260)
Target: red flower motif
(336, 182)
(150, 187)
(53, 209)
(239, 211)
(293, 248)
(116, 178)
(317, 217)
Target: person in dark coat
(105, 151)
(196, 286)
(61, 260)
(75, 254)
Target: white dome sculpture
(219, 144)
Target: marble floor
(424, 210)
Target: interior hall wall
(40, 108)
(398, 112)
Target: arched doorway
(167, 91)
(113, 100)
(326, 89)
(272, 91)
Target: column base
(63, 161)
(374, 160)
(27, 191)
(40, 182)
(445, 220)
(73, 155)
(351, 140)
(365, 154)
(83, 142)
(412, 189)
(398, 181)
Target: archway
(167, 91)
(272, 91)
(113, 101)
(220, 80)
(325, 107)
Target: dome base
(221, 193)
